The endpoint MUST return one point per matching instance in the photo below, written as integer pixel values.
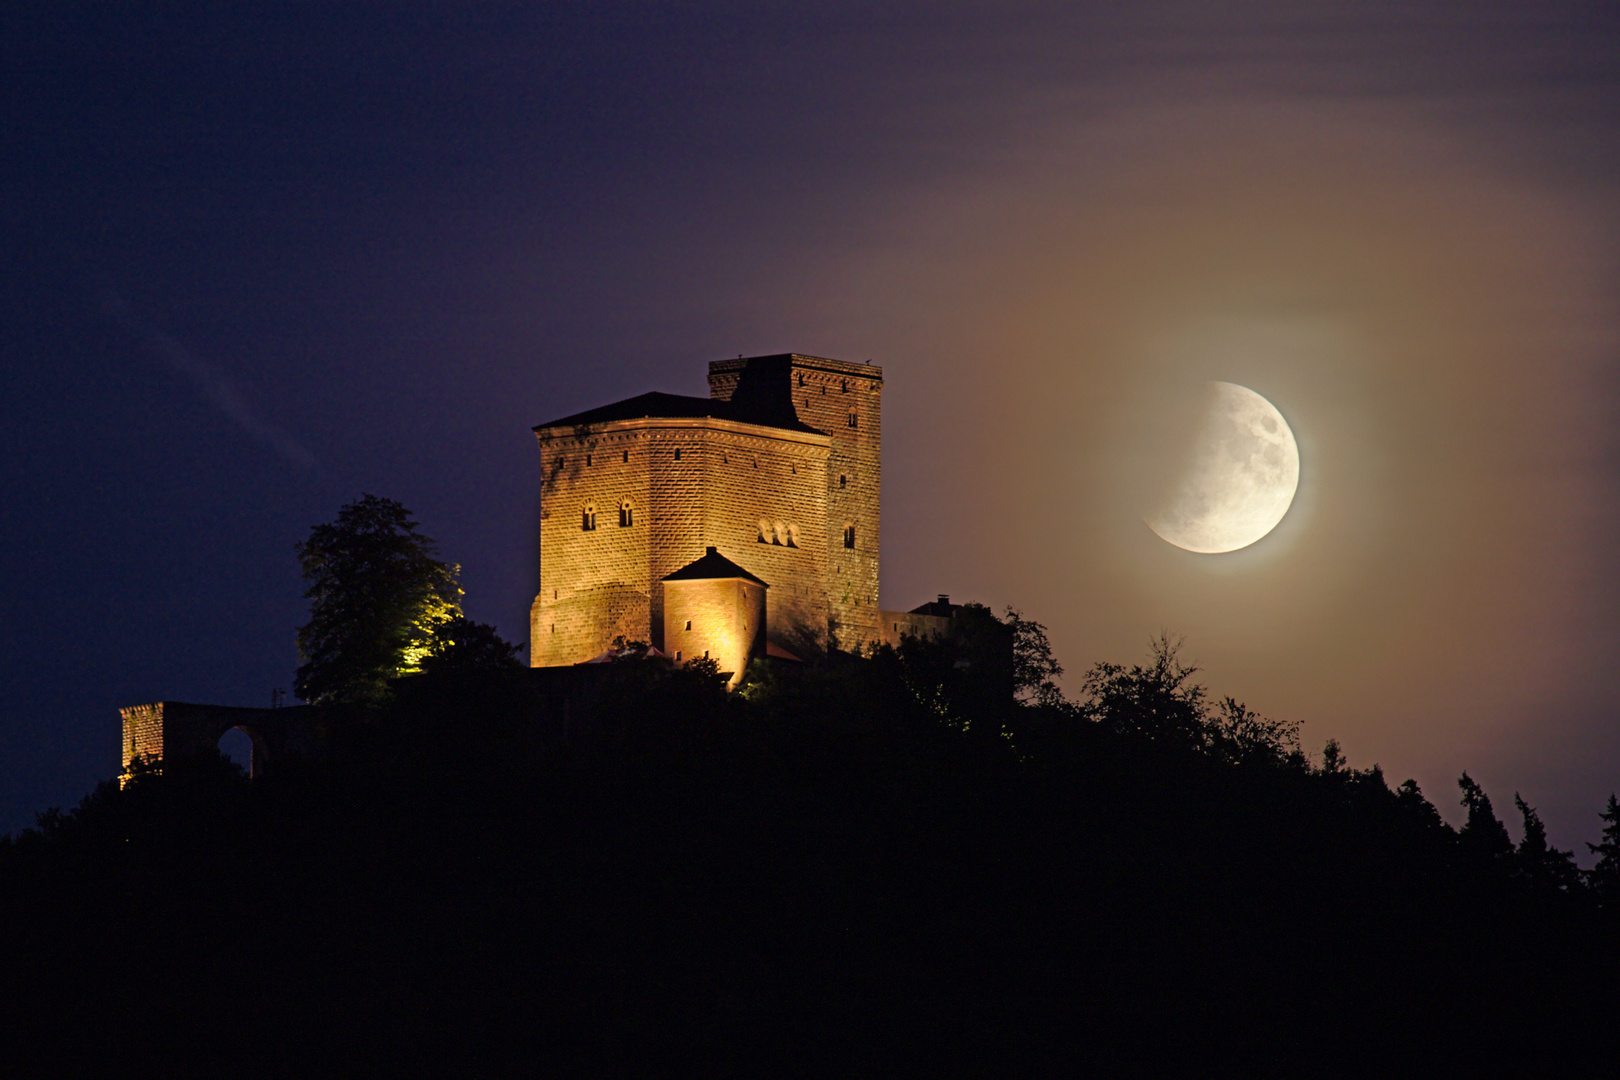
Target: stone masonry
(779, 471)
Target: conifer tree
(1605, 876)
(1541, 865)
(1483, 833)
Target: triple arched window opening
(778, 533)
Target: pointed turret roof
(712, 566)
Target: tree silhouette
(1241, 735)
(460, 645)
(1158, 701)
(1035, 669)
(1543, 867)
(1482, 834)
(1605, 876)
(377, 593)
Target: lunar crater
(1240, 481)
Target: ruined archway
(175, 729)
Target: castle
(739, 525)
(732, 527)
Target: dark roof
(679, 406)
(941, 607)
(712, 566)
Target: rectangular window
(843, 481)
(852, 418)
(677, 455)
(588, 521)
(849, 536)
(677, 655)
(689, 624)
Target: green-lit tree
(377, 593)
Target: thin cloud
(214, 386)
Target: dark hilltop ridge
(919, 860)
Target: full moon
(1241, 479)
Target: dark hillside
(839, 875)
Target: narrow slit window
(587, 459)
(849, 536)
(627, 457)
(626, 516)
(678, 452)
(843, 481)
(852, 420)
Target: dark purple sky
(256, 264)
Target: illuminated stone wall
(757, 493)
(845, 400)
(143, 733)
(722, 618)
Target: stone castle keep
(739, 525)
(733, 527)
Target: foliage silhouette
(1543, 867)
(461, 646)
(1604, 877)
(837, 850)
(1483, 834)
(377, 593)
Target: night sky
(255, 264)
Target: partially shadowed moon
(1241, 479)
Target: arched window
(588, 519)
(779, 534)
(626, 515)
(793, 536)
(849, 535)
(764, 531)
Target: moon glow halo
(1241, 479)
